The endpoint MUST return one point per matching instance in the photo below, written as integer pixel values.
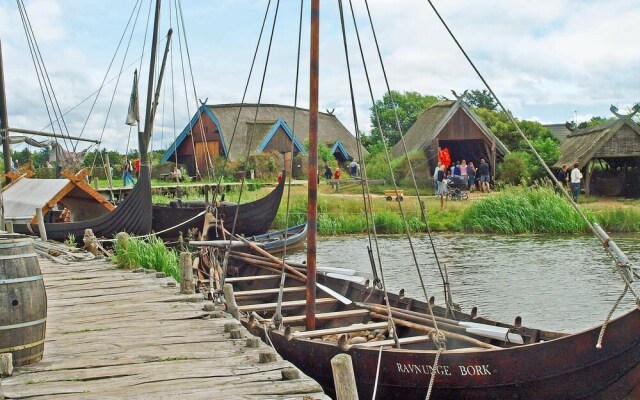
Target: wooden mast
(144, 137)
(4, 124)
(312, 211)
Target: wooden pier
(115, 334)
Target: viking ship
(134, 214)
(405, 348)
(254, 218)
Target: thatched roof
(433, 120)
(583, 144)
(330, 129)
(560, 131)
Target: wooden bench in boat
(342, 329)
(285, 304)
(296, 319)
(259, 292)
(251, 278)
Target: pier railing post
(186, 274)
(230, 299)
(344, 378)
(41, 228)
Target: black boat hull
(254, 218)
(566, 367)
(133, 216)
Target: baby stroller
(454, 193)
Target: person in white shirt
(576, 176)
(435, 178)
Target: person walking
(485, 176)
(471, 174)
(442, 186)
(354, 169)
(327, 172)
(576, 176)
(563, 177)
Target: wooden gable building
(608, 156)
(234, 131)
(452, 125)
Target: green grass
(149, 253)
(524, 210)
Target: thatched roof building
(233, 131)
(560, 131)
(452, 125)
(609, 156)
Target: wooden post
(107, 165)
(6, 364)
(344, 378)
(9, 226)
(587, 178)
(230, 298)
(288, 157)
(95, 182)
(186, 274)
(41, 228)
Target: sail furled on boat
(67, 159)
(133, 115)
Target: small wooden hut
(24, 194)
(608, 156)
(452, 125)
(234, 131)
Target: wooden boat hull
(254, 218)
(133, 216)
(539, 371)
(568, 367)
(275, 242)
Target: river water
(561, 283)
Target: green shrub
(148, 253)
(524, 210)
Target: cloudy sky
(549, 60)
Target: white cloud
(544, 59)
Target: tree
(408, 105)
(324, 152)
(481, 99)
(540, 137)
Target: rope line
(366, 193)
(393, 178)
(447, 293)
(283, 275)
(537, 155)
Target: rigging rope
(244, 95)
(209, 163)
(45, 74)
(289, 172)
(255, 118)
(445, 282)
(37, 67)
(538, 157)
(393, 179)
(365, 186)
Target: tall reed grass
(524, 210)
(149, 253)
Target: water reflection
(553, 282)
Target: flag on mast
(133, 116)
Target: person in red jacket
(336, 175)
(136, 168)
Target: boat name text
(462, 370)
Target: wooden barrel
(23, 300)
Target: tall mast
(4, 123)
(144, 137)
(312, 210)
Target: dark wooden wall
(279, 143)
(624, 143)
(206, 125)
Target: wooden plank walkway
(114, 334)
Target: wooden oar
(448, 334)
(289, 268)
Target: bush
(524, 210)
(515, 168)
